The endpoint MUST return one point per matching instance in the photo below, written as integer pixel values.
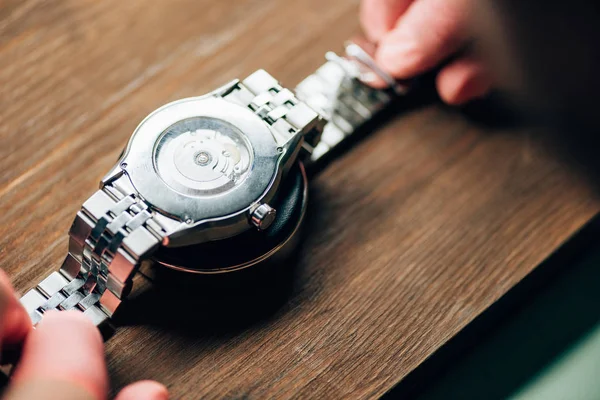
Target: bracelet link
(337, 93)
(278, 107)
(108, 239)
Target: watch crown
(263, 216)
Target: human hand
(63, 358)
(415, 36)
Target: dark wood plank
(412, 234)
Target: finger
(15, 323)
(427, 33)
(148, 390)
(66, 352)
(47, 390)
(378, 17)
(463, 80)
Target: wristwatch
(211, 184)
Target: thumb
(47, 389)
(378, 17)
(426, 34)
(62, 359)
(148, 390)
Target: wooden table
(411, 235)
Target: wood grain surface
(410, 235)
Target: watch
(212, 184)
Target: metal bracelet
(278, 107)
(336, 91)
(109, 237)
(115, 230)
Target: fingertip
(4, 279)
(74, 320)
(6, 289)
(149, 390)
(378, 17)
(428, 32)
(16, 324)
(369, 20)
(66, 347)
(462, 81)
(401, 57)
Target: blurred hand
(63, 358)
(414, 36)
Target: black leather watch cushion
(250, 244)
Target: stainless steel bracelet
(115, 230)
(278, 107)
(336, 91)
(109, 237)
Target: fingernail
(150, 390)
(161, 394)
